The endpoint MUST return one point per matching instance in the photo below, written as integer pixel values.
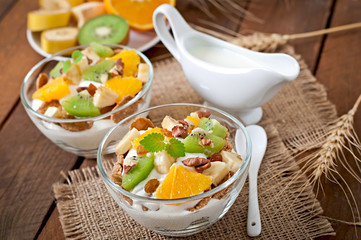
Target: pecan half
(216, 157)
(180, 131)
(206, 142)
(197, 161)
(141, 124)
(203, 167)
(204, 113)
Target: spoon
(259, 143)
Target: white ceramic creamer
(227, 76)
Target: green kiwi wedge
(96, 72)
(80, 106)
(55, 72)
(138, 173)
(106, 28)
(213, 126)
(192, 143)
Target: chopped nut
(193, 162)
(118, 68)
(180, 131)
(144, 208)
(203, 167)
(141, 124)
(127, 168)
(41, 80)
(206, 142)
(128, 163)
(151, 186)
(204, 113)
(216, 157)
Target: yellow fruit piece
(40, 20)
(194, 120)
(53, 90)
(74, 3)
(86, 11)
(55, 40)
(137, 13)
(124, 86)
(181, 183)
(54, 4)
(136, 141)
(130, 59)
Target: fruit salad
(179, 159)
(95, 81)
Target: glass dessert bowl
(177, 168)
(74, 101)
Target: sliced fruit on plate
(53, 90)
(54, 4)
(99, 72)
(181, 182)
(107, 28)
(131, 60)
(86, 11)
(138, 13)
(124, 86)
(40, 20)
(58, 39)
(80, 105)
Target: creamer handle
(177, 23)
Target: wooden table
(30, 163)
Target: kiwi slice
(107, 28)
(101, 50)
(55, 72)
(97, 71)
(192, 143)
(213, 126)
(80, 106)
(138, 173)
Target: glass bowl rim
(140, 94)
(231, 180)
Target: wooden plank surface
(17, 57)
(340, 71)
(30, 164)
(288, 17)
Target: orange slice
(124, 86)
(53, 90)
(194, 120)
(138, 13)
(136, 141)
(181, 182)
(130, 59)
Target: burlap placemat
(295, 119)
(87, 211)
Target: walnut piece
(41, 80)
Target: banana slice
(104, 97)
(143, 72)
(74, 3)
(86, 11)
(58, 39)
(217, 172)
(169, 123)
(55, 4)
(42, 19)
(233, 160)
(163, 161)
(126, 143)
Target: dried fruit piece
(181, 182)
(151, 186)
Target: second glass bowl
(84, 143)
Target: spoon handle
(253, 219)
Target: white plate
(141, 41)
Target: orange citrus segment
(138, 13)
(136, 141)
(53, 90)
(124, 86)
(130, 59)
(181, 183)
(194, 120)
